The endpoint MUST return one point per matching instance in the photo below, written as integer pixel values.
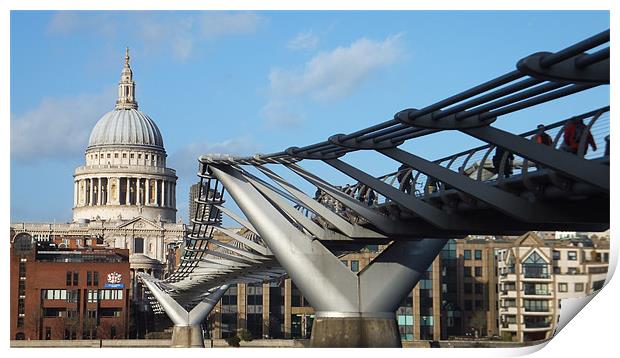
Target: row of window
(68, 295)
(477, 254)
(477, 271)
(476, 288)
(541, 288)
(131, 156)
(73, 295)
(92, 278)
(472, 305)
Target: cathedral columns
(75, 193)
(99, 191)
(90, 191)
(137, 191)
(109, 194)
(163, 196)
(83, 193)
(147, 192)
(174, 195)
(127, 188)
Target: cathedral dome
(126, 126)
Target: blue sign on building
(114, 285)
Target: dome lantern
(126, 87)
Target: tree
(477, 322)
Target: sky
(258, 82)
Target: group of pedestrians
(573, 131)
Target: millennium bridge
(508, 186)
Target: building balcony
(538, 294)
(508, 310)
(536, 326)
(536, 277)
(508, 294)
(536, 311)
(138, 169)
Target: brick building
(67, 293)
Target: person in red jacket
(573, 131)
(541, 137)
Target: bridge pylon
(187, 331)
(352, 309)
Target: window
(146, 156)
(535, 266)
(68, 281)
(562, 287)
(89, 278)
(139, 155)
(511, 302)
(572, 255)
(479, 305)
(355, 265)
(54, 294)
(557, 270)
(467, 305)
(597, 285)
(467, 254)
(92, 296)
(75, 278)
(116, 155)
(556, 255)
(110, 294)
(138, 245)
(73, 296)
(467, 271)
(478, 254)
(478, 288)
(573, 270)
(535, 288)
(131, 156)
(536, 305)
(578, 287)
(96, 278)
(108, 155)
(478, 271)
(467, 288)
(48, 333)
(124, 155)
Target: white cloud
(303, 41)
(335, 74)
(327, 76)
(282, 115)
(58, 127)
(177, 34)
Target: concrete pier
(355, 332)
(187, 337)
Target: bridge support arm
(187, 331)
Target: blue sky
(248, 82)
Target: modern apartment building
(535, 274)
(457, 296)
